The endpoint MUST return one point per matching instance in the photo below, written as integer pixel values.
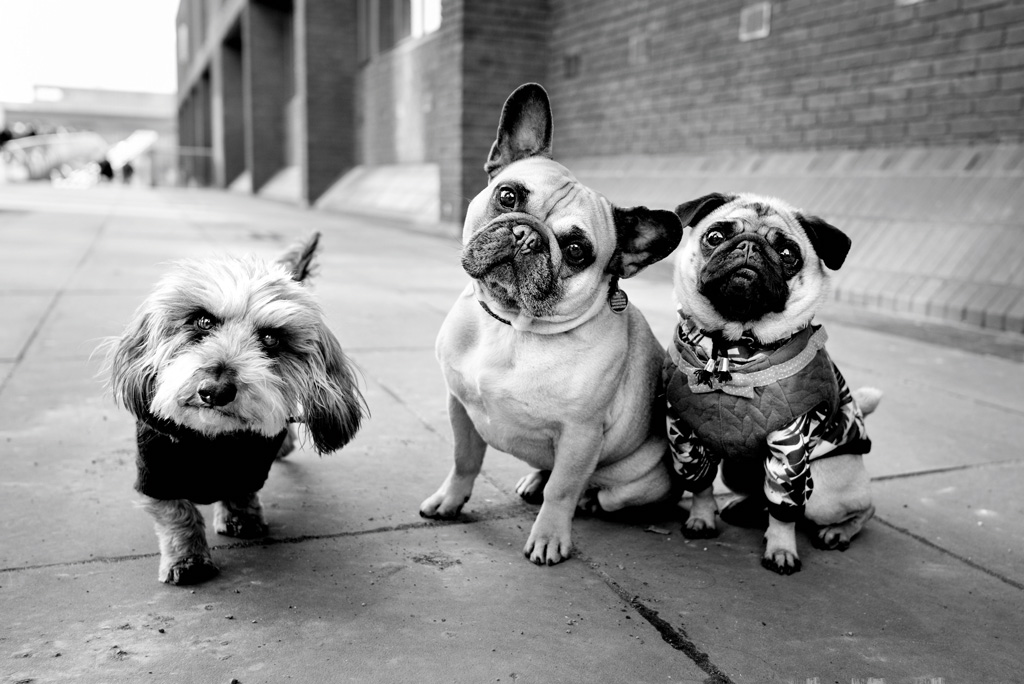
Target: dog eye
(203, 322)
(714, 237)
(269, 340)
(575, 253)
(507, 197)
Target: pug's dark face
(754, 264)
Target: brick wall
(266, 86)
(674, 77)
(437, 99)
(408, 102)
(326, 66)
(505, 45)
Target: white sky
(112, 44)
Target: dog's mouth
(745, 294)
(200, 409)
(512, 257)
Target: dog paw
(440, 508)
(547, 545)
(830, 541)
(189, 570)
(698, 528)
(781, 561)
(531, 487)
(589, 503)
(242, 527)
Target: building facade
(334, 100)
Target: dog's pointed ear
(132, 373)
(831, 244)
(644, 237)
(299, 258)
(524, 129)
(333, 407)
(693, 212)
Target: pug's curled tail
(867, 399)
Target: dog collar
(617, 302)
(490, 313)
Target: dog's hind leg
(448, 500)
(240, 517)
(184, 554)
(840, 503)
(531, 486)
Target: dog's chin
(512, 299)
(745, 295)
(214, 421)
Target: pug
(543, 356)
(749, 383)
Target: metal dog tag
(618, 301)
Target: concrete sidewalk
(353, 585)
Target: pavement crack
(675, 637)
(963, 559)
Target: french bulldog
(749, 383)
(543, 356)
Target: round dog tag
(618, 301)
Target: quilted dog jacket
(178, 463)
(737, 426)
(778, 409)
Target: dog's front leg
(701, 522)
(576, 455)
(780, 547)
(184, 554)
(454, 492)
(240, 517)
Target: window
(426, 16)
(385, 23)
(755, 21)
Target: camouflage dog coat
(782, 406)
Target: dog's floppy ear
(299, 258)
(132, 373)
(524, 129)
(693, 212)
(644, 236)
(831, 244)
(333, 406)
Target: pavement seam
(947, 469)
(675, 637)
(57, 296)
(963, 559)
(463, 519)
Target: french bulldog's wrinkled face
(540, 245)
(539, 242)
(754, 264)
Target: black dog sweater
(178, 463)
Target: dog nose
(526, 238)
(219, 392)
(746, 249)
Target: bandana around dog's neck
(712, 363)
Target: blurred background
(898, 120)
